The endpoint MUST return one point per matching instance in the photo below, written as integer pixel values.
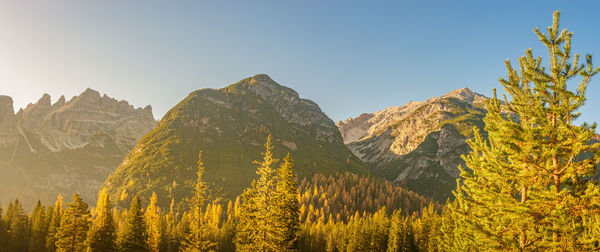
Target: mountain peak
(262, 83)
(44, 101)
(36, 111)
(7, 112)
(148, 108)
(417, 141)
(464, 94)
(73, 144)
(6, 105)
(61, 101)
(88, 95)
(89, 91)
(372, 124)
(233, 122)
(263, 77)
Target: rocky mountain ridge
(69, 146)
(418, 144)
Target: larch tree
(172, 237)
(134, 236)
(103, 233)
(400, 237)
(530, 185)
(153, 224)
(72, 233)
(198, 239)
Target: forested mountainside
(418, 144)
(70, 146)
(229, 126)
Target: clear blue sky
(349, 57)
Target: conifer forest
(528, 179)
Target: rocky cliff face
(229, 126)
(69, 146)
(418, 144)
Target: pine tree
(257, 228)
(133, 237)
(529, 186)
(198, 239)
(72, 233)
(102, 236)
(153, 224)
(18, 229)
(54, 224)
(39, 228)
(288, 222)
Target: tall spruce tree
(257, 228)
(133, 237)
(198, 239)
(54, 224)
(288, 223)
(72, 233)
(530, 186)
(102, 236)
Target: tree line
(335, 213)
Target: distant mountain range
(66, 147)
(92, 141)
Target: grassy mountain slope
(230, 125)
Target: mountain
(70, 146)
(418, 144)
(229, 125)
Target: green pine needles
(134, 235)
(530, 185)
(103, 233)
(74, 226)
(269, 217)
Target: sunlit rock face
(418, 144)
(70, 146)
